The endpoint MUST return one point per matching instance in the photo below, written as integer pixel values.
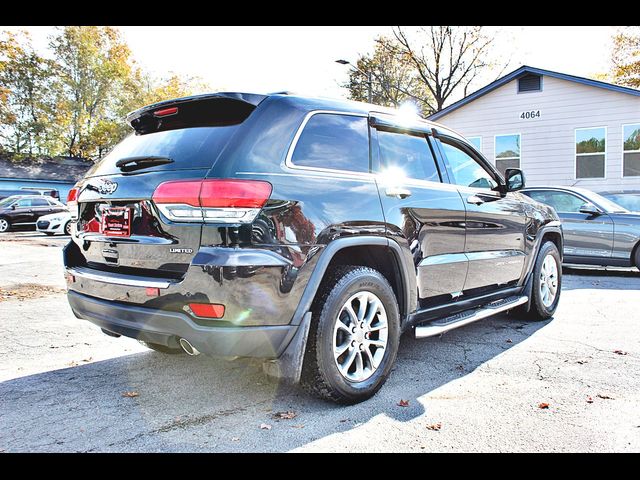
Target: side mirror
(13, 207)
(590, 209)
(515, 179)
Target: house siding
(547, 143)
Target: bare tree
(446, 59)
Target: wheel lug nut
(362, 325)
(353, 343)
(353, 330)
(361, 347)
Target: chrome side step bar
(443, 325)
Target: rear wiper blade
(129, 164)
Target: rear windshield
(196, 147)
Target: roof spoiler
(223, 108)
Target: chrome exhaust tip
(188, 348)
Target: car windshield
(5, 202)
(629, 201)
(608, 205)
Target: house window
(476, 142)
(507, 152)
(530, 83)
(591, 151)
(631, 150)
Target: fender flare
(333, 248)
(551, 227)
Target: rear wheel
(67, 228)
(354, 335)
(5, 225)
(547, 283)
(162, 348)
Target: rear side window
(409, 153)
(196, 147)
(336, 142)
(560, 201)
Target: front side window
(332, 141)
(24, 203)
(590, 152)
(409, 154)
(466, 170)
(631, 150)
(561, 201)
(507, 152)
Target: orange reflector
(71, 278)
(208, 310)
(152, 292)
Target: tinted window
(338, 142)
(466, 170)
(39, 202)
(408, 153)
(25, 202)
(187, 147)
(562, 202)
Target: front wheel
(547, 282)
(5, 225)
(67, 228)
(354, 335)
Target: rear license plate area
(116, 222)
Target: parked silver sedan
(596, 230)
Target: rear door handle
(398, 192)
(475, 200)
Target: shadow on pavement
(204, 404)
(600, 278)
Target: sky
(302, 59)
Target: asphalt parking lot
(502, 384)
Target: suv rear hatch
(141, 209)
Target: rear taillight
(72, 202)
(212, 201)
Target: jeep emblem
(107, 187)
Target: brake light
(213, 201)
(72, 202)
(165, 112)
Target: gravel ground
(64, 385)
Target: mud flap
(288, 366)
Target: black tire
(67, 228)
(5, 225)
(162, 348)
(320, 374)
(538, 310)
(636, 257)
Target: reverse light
(212, 201)
(207, 310)
(72, 202)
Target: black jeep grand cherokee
(307, 232)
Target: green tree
(446, 59)
(626, 57)
(25, 107)
(394, 79)
(93, 65)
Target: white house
(560, 129)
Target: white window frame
(479, 137)
(495, 142)
(627, 151)
(575, 152)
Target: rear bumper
(166, 328)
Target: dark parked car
(23, 211)
(597, 231)
(306, 232)
(627, 199)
